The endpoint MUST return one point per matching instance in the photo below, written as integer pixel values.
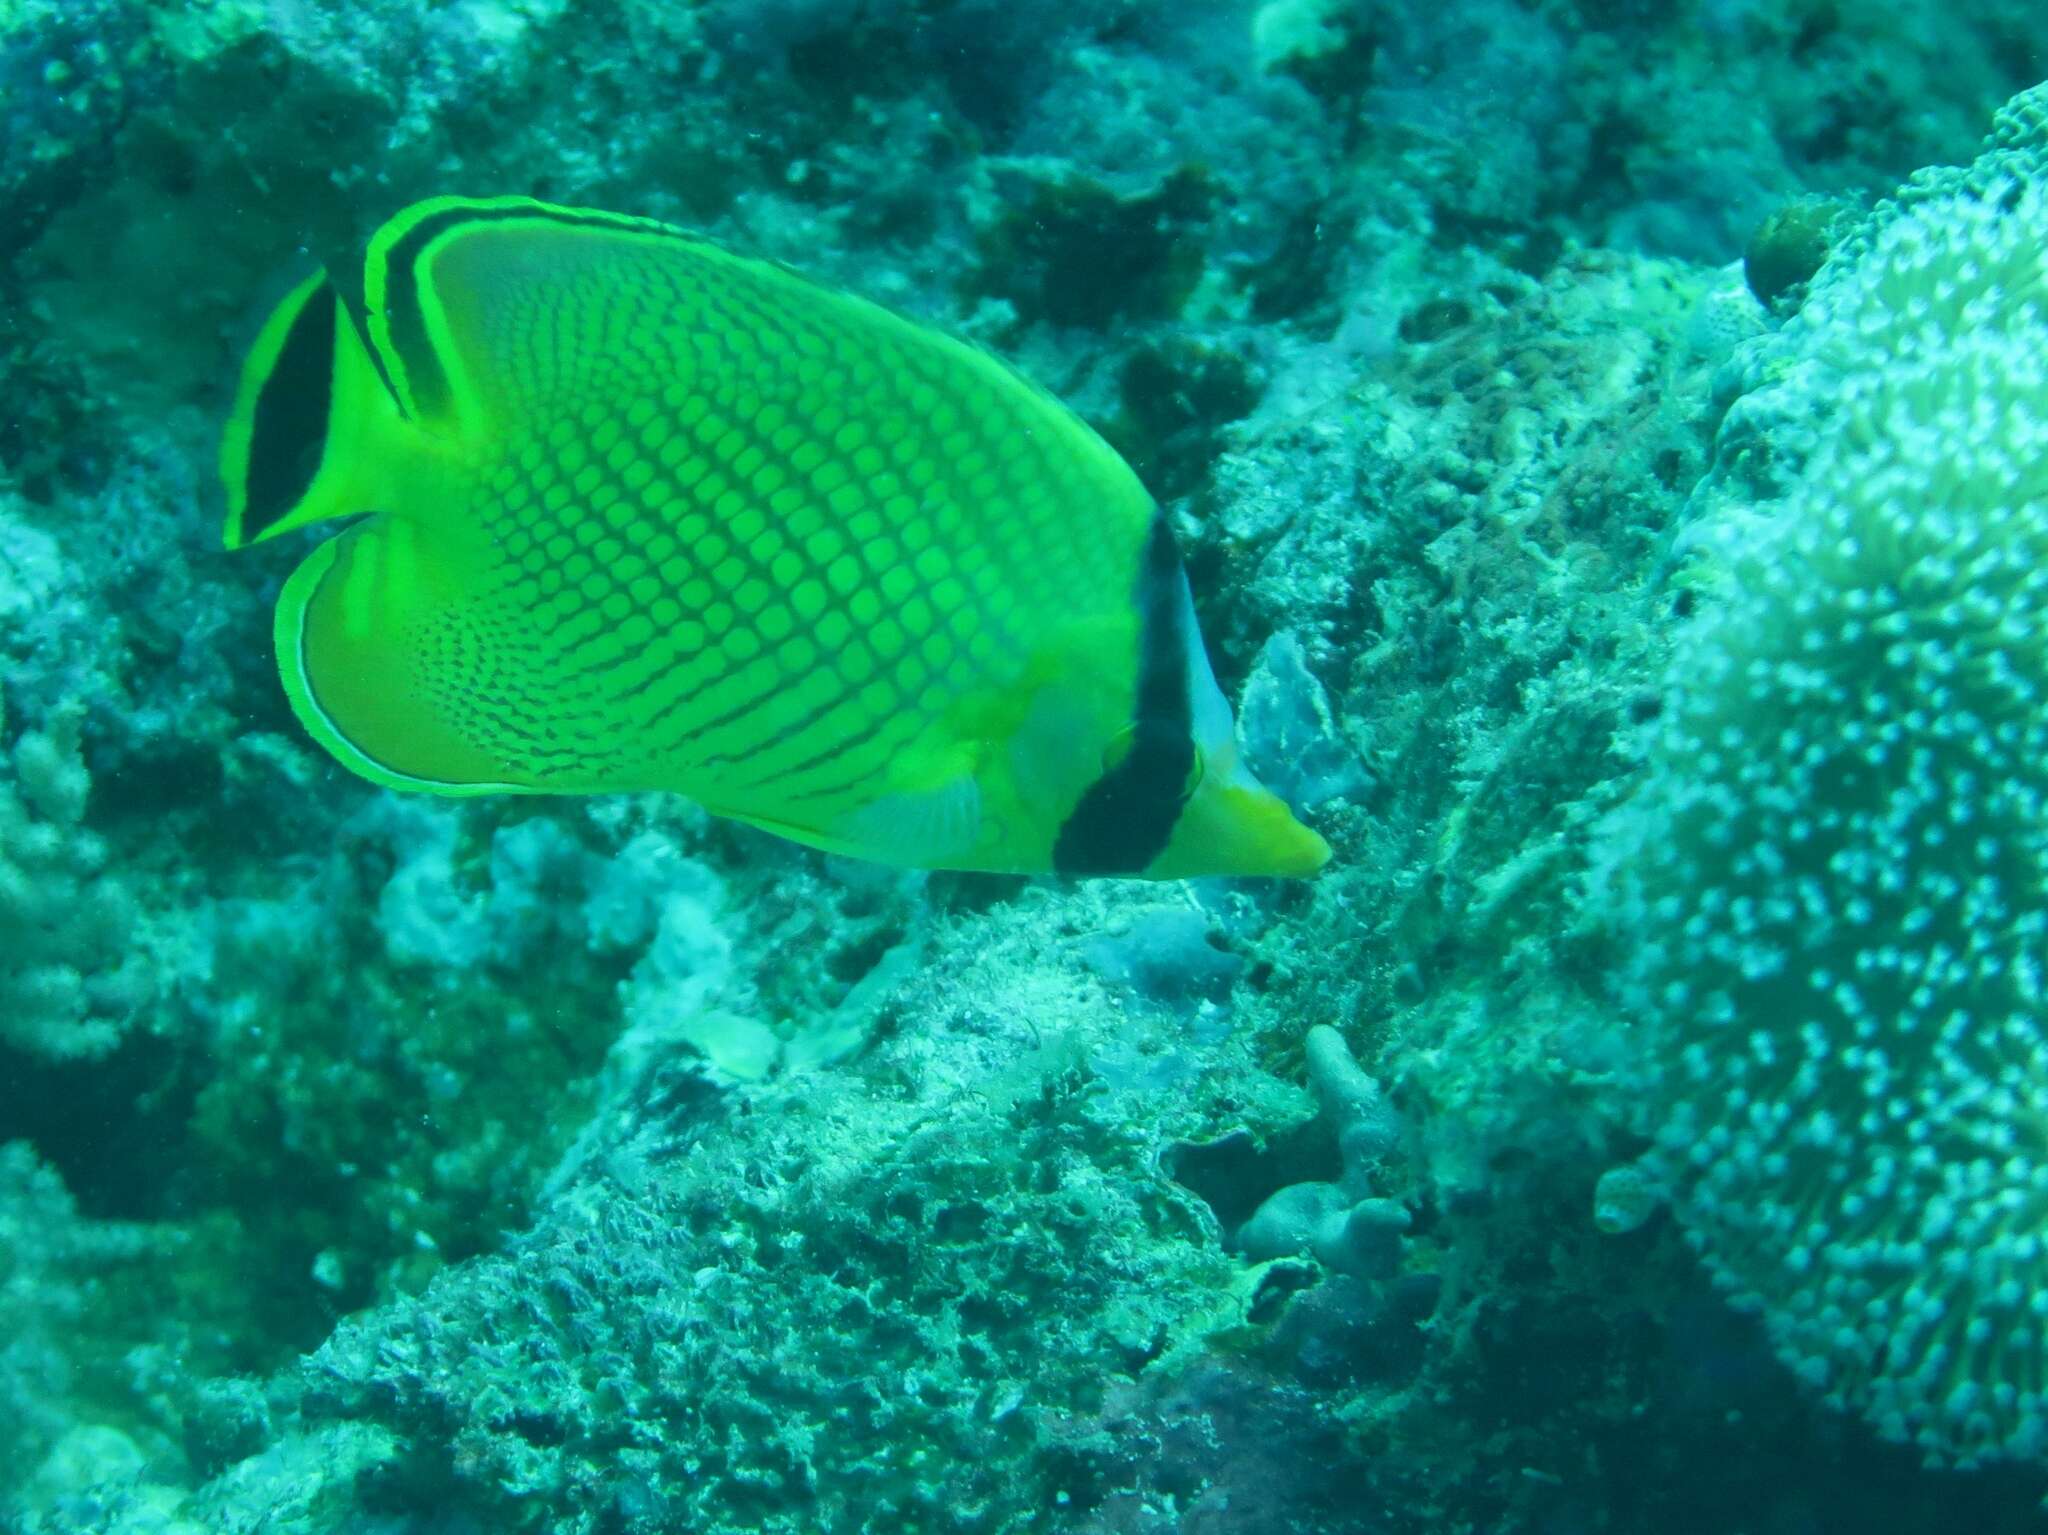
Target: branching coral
(1839, 857)
(72, 973)
(53, 1266)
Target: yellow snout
(1236, 825)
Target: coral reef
(77, 968)
(92, 1333)
(397, 1165)
(69, 74)
(1836, 861)
(1344, 1224)
(76, 971)
(1788, 248)
(866, 1331)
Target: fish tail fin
(316, 431)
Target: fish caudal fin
(310, 418)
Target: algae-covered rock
(1075, 252)
(830, 1314)
(1789, 247)
(70, 73)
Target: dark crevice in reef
(113, 1127)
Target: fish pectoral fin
(930, 816)
(931, 827)
(372, 644)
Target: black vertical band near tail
(1126, 817)
(288, 433)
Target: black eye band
(289, 432)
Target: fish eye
(1118, 747)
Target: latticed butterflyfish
(636, 512)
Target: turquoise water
(1606, 447)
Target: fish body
(636, 512)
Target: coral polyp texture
(1840, 853)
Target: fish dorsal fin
(496, 313)
(313, 428)
(483, 308)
